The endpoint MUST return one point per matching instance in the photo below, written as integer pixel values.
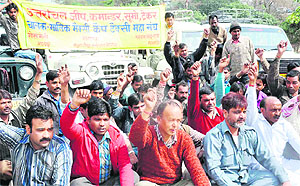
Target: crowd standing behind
(222, 123)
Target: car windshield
(192, 39)
(266, 38)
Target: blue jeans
(29, 54)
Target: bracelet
(73, 110)
(250, 85)
(162, 83)
(38, 81)
(130, 152)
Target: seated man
(273, 130)
(136, 82)
(230, 146)
(97, 88)
(99, 148)
(38, 156)
(163, 148)
(15, 118)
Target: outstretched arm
(198, 54)
(273, 80)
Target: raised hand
(224, 62)
(213, 47)
(80, 96)
(39, 63)
(170, 35)
(205, 33)
(64, 75)
(165, 75)
(259, 52)
(150, 99)
(129, 77)
(196, 68)
(176, 47)
(281, 47)
(121, 81)
(253, 72)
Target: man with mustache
(57, 94)
(38, 156)
(274, 131)
(15, 118)
(99, 150)
(202, 112)
(230, 147)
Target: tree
(292, 27)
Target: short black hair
(40, 112)
(188, 65)
(134, 99)
(205, 90)
(181, 83)
(263, 77)
(137, 78)
(51, 75)
(96, 85)
(182, 45)
(169, 14)
(237, 86)
(292, 65)
(233, 100)
(11, 6)
(163, 105)
(98, 106)
(4, 94)
(212, 17)
(144, 87)
(263, 103)
(132, 64)
(293, 73)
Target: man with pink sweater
(99, 151)
(163, 147)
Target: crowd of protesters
(222, 123)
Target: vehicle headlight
(93, 71)
(26, 72)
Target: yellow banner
(57, 27)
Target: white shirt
(275, 136)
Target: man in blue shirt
(38, 156)
(230, 146)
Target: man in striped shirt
(38, 156)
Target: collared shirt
(235, 41)
(57, 103)
(215, 113)
(228, 164)
(104, 156)
(168, 143)
(48, 166)
(275, 136)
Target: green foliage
(199, 17)
(292, 26)
(239, 10)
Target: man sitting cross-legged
(163, 148)
(100, 153)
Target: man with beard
(274, 131)
(15, 118)
(230, 147)
(57, 94)
(202, 112)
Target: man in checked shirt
(38, 156)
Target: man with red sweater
(203, 114)
(99, 151)
(163, 148)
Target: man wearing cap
(240, 48)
